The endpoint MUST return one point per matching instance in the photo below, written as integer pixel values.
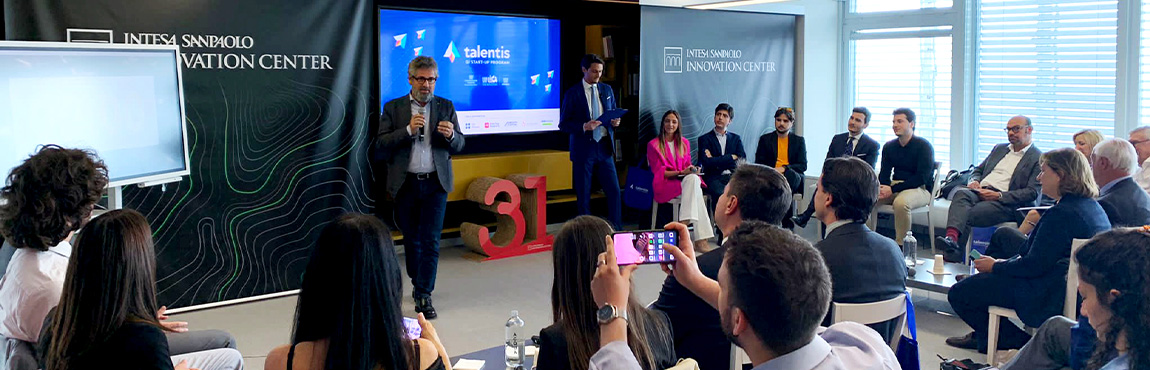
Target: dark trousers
(602, 169)
(419, 208)
(968, 210)
(971, 299)
(715, 187)
(1005, 243)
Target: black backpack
(953, 179)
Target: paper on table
(465, 364)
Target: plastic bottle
(516, 342)
(910, 249)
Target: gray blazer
(1126, 204)
(1024, 186)
(393, 144)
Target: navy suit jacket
(574, 114)
(865, 267)
(866, 149)
(1024, 187)
(1038, 273)
(720, 160)
(1126, 204)
(698, 334)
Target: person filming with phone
(669, 156)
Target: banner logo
(401, 41)
(418, 50)
(452, 52)
(419, 34)
(535, 79)
(672, 59)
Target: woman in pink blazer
(669, 156)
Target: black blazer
(393, 143)
(767, 154)
(1024, 186)
(553, 347)
(1126, 204)
(695, 324)
(1038, 273)
(865, 267)
(574, 114)
(720, 160)
(866, 149)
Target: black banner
(278, 98)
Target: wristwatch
(608, 313)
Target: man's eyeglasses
(1015, 129)
(424, 79)
(1136, 142)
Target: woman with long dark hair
(569, 343)
(349, 314)
(669, 156)
(107, 312)
(1114, 281)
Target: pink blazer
(666, 189)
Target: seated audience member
(48, 198)
(786, 152)
(349, 313)
(1125, 203)
(853, 143)
(612, 286)
(721, 151)
(906, 175)
(772, 292)
(1004, 182)
(670, 158)
(573, 338)
(107, 311)
(1085, 140)
(865, 267)
(1114, 281)
(755, 193)
(1140, 139)
(1033, 283)
(1058, 344)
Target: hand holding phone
(975, 254)
(643, 247)
(411, 326)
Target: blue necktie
(597, 133)
(850, 148)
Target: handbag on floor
(637, 193)
(907, 353)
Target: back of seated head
(1118, 260)
(778, 282)
(1119, 153)
(351, 295)
(763, 193)
(50, 195)
(111, 282)
(575, 255)
(852, 185)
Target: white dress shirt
(421, 160)
(589, 91)
(846, 345)
(1143, 176)
(722, 137)
(835, 225)
(30, 287)
(999, 177)
(614, 356)
(854, 139)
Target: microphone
(423, 112)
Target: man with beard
(784, 151)
(853, 143)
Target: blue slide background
(532, 42)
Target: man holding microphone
(418, 133)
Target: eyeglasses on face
(1015, 129)
(423, 80)
(1136, 142)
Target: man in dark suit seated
(786, 152)
(851, 143)
(1005, 181)
(865, 266)
(754, 193)
(720, 152)
(1114, 162)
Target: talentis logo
(418, 50)
(400, 41)
(452, 52)
(419, 34)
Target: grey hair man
(1114, 162)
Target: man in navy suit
(720, 152)
(1114, 162)
(592, 143)
(851, 143)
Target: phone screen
(412, 327)
(643, 247)
(974, 254)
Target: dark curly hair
(50, 195)
(1120, 260)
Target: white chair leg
(992, 339)
(930, 227)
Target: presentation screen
(501, 72)
(123, 102)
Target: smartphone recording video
(643, 247)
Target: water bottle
(910, 249)
(516, 343)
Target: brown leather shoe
(964, 342)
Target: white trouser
(693, 208)
(212, 359)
